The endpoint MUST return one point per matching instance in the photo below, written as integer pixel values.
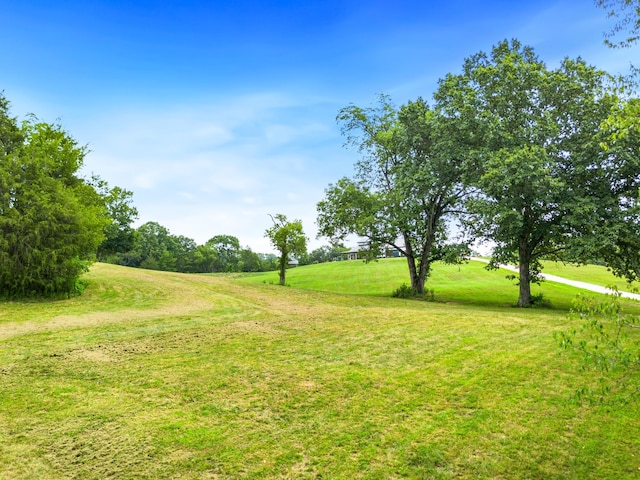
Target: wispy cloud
(220, 166)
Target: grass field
(590, 274)
(470, 283)
(162, 375)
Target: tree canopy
(627, 21)
(227, 251)
(410, 181)
(119, 233)
(548, 188)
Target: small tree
(288, 238)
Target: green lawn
(162, 375)
(469, 284)
(590, 274)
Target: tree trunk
(416, 285)
(425, 261)
(422, 276)
(418, 275)
(417, 281)
(413, 273)
(524, 298)
(283, 267)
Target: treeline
(153, 247)
(543, 163)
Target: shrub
(405, 291)
(608, 343)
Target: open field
(162, 375)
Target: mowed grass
(596, 274)
(162, 375)
(469, 283)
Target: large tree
(51, 219)
(623, 128)
(549, 189)
(409, 183)
(288, 238)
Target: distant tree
(268, 262)
(198, 260)
(409, 184)
(119, 233)
(549, 189)
(288, 238)
(227, 248)
(249, 261)
(51, 220)
(303, 259)
(326, 253)
(154, 248)
(182, 248)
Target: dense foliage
(326, 253)
(154, 247)
(119, 233)
(51, 219)
(543, 163)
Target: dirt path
(574, 283)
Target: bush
(405, 291)
(538, 300)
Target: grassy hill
(163, 375)
(590, 273)
(469, 284)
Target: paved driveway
(574, 283)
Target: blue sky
(216, 114)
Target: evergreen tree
(51, 220)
